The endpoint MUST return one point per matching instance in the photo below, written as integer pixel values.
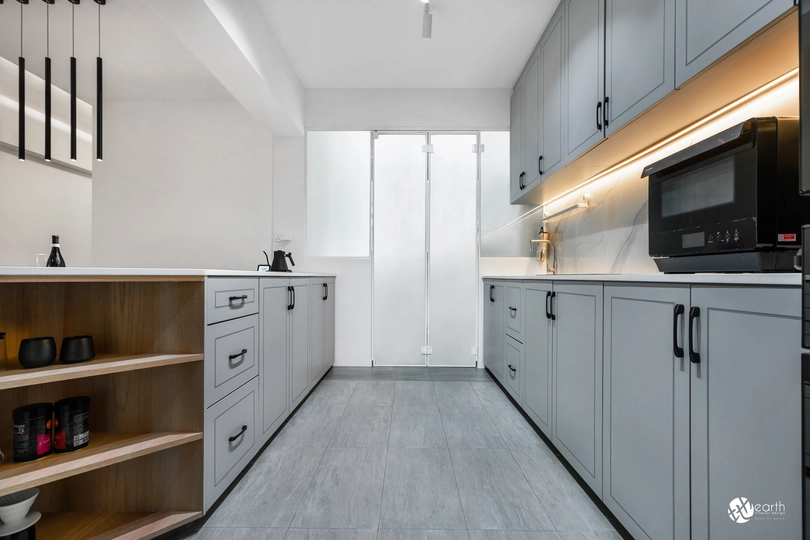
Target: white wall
(37, 201)
(183, 184)
(365, 109)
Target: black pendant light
(73, 81)
(21, 92)
(99, 106)
(48, 3)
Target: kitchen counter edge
(770, 280)
(34, 272)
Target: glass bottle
(56, 254)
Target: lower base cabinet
(646, 410)
(274, 358)
(513, 354)
(537, 360)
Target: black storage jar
(33, 431)
(71, 424)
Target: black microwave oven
(729, 203)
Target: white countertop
(145, 272)
(775, 279)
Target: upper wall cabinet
(516, 149)
(706, 30)
(639, 57)
(551, 96)
(531, 130)
(584, 53)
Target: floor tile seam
(455, 477)
(306, 490)
(534, 491)
(382, 491)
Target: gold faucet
(544, 246)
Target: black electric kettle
(279, 264)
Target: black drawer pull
(513, 309)
(520, 181)
(491, 289)
(540, 165)
(237, 355)
(607, 115)
(325, 291)
(694, 313)
(553, 315)
(231, 439)
(235, 298)
(599, 116)
(548, 297)
(511, 368)
(678, 312)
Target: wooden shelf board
(104, 449)
(111, 525)
(101, 365)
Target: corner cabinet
(707, 30)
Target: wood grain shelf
(101, 365)
(105, 449)
(110, 525)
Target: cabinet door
(489, 300)
(639, 57)
(537, 357)
(516, 129)
(498, 329)
(707, 30)
(646, 410)
(299, 340)
(746, 424)
(316, 328)
(273, 368)
(584, 75)
(577, 372)
(329, 325)
(531, 130)
(513, 355)
(551, 95)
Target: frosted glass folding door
(425, 250)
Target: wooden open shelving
(104, 449)
(109, 525)
(142, 473)
(101, 365)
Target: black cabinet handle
(293, 291)
(513, 309)
(599, 116)
(548, 297)
(553, 316)
(607, 103)
(233, 299)
(694, 313)
(511, 368)
(520, 181)
(491, 290)
(290, 304)
(540, 165)
(237, 355)
(325, 291)
(231, 439)
(678, 312)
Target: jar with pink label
(33, 431)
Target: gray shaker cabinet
(537, 357)
(329, 326)
(531, 129)
(584, 56)
(494, 327)
(516, 146)
(746, 410)
(577, 378)
(646, 409)
(321, 327)
(551, 95)
(639, 57)
(707, 30)
(299, 341)
(274, 367)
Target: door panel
(551, 91)
(537, 360)
(646, 414)
(400, 284)
(516, 148)
(300, 343)
(316, 329)
(531, 130)
(746, 399)
(577, 372)
(273, 368)
(329, 325)
(639, 57)
(584, 74)
(498, 329)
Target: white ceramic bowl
(14, 507)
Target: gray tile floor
(407, 454)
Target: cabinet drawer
(230, 298)
(231, 356)
(514, 367)
(514, 311)
(230, 438)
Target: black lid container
(32, 431)
(71, 424)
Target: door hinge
(427, 148)
(375, 135)
(427, 349)
(478, 148)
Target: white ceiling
(142, 58)
(377, 43)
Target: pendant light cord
(21, 30)
(99, 30)
(47, 29)
(73, 30)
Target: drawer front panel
(514, 311)
(231, 356)
(514, 367)
(231, 298)
(231, 439)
